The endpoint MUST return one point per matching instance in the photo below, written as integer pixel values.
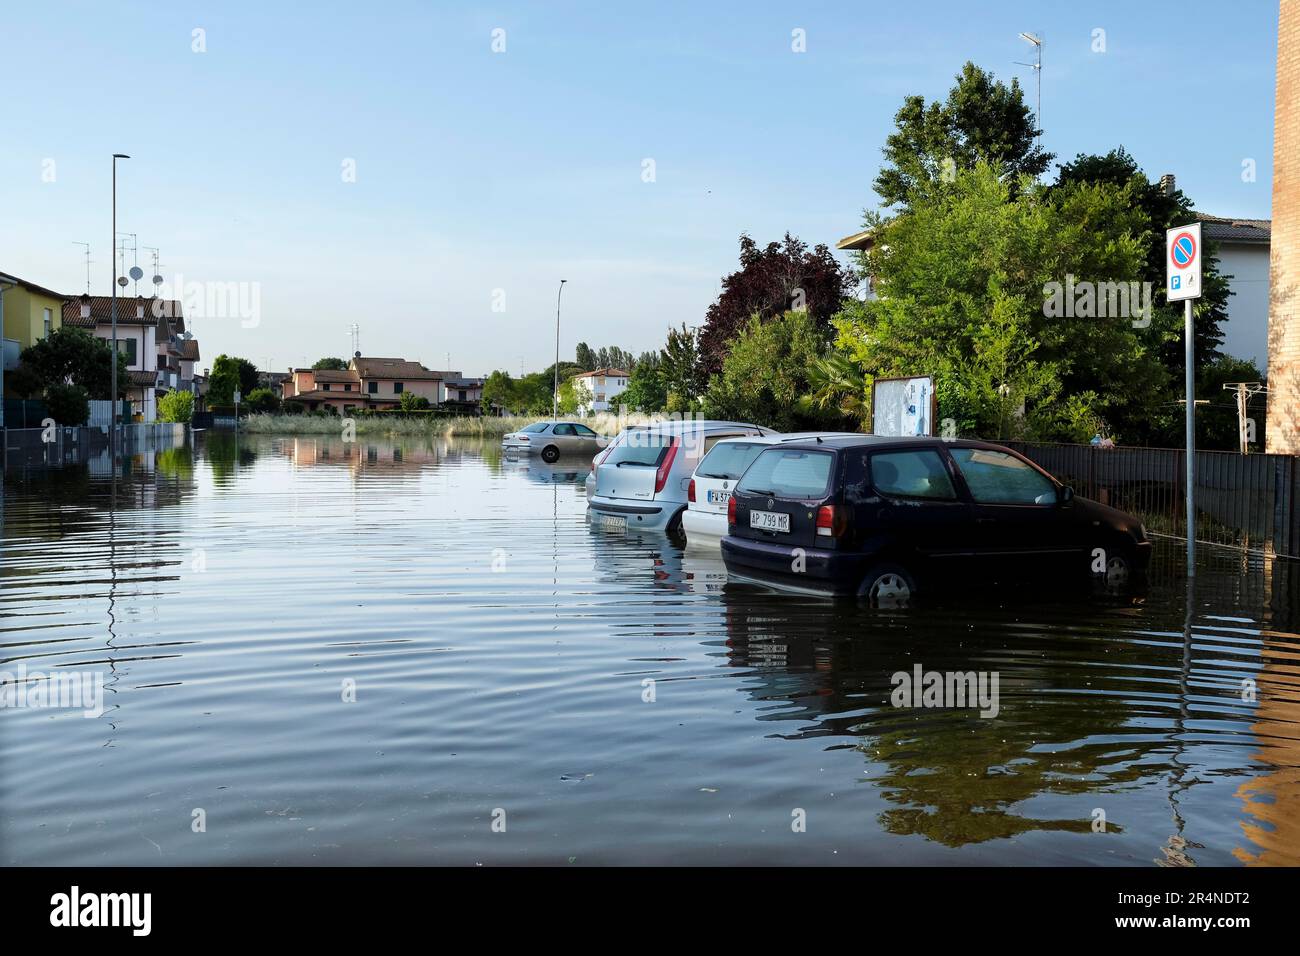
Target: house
(373, 383)
(273, 381)
(463, 389)
(596, 390)
(1243, 255)
(151, 333)
(28, 313)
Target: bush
(176, 407)
(68, 404)
(262, 400)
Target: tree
(228, 374)
(569, 398)
(963, 280)
(68, 404)
(410, 402)
(262, 400)
(71, 355)
(585, 357)
(766, 373)
(1162, 211)
(645, 390)
(771, 280)
(497, 388)
(982, 120)
(329, 364)
(176, 406)
(680, 367)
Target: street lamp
(113, 309)
(555, 398)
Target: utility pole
(1245, 392)
(113, 313)
(555, 398)
(1037, 66)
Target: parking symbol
(1177, 282)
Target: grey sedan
(552, 439)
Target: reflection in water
(614, 692)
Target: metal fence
(1242, 500)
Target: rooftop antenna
(87, 245)
(1036, 40)
(355, 331)
(157, 269)
(135, 273)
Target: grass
(464, 426)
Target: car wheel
(675, 523)
(550, 454)
(887, 585)
(1118, 572)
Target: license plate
(769, 521)
(616, 522)
(718, 497)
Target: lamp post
(555, 398)
(113, 308)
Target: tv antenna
(87, 245)
(1036, 40)
(157, 269)
(355, 331)
(135, 272)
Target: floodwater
(319, 653)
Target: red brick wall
(1284, 284)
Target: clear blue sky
(478, 171)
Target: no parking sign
(1183, 262)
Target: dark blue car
(885, 518)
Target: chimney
(1167, 184)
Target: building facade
(598, 390)
(1283, 434)
(367, 383)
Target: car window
(640, 448)
(711, 440)
(788, 473)
(912, 474)
(994, 477)
(584, 431)
(728, 460)
(535, 427)
(564, 430)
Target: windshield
(640, 448)
(788, 473)
(728, 460)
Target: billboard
(903, 406)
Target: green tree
(262, 400)
(498, 389)
(176, 406)
(329, 364)
(71, 355)
(982, 120)
(964, 278)
(585, 357)
(68, 404)
(568, 397)
(766, 373)
(228, 374)
(680, 370)
(645, 388)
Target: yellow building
(30, 312)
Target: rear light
(690, 491)
(731, 510)
(832, 522)
(661, 476)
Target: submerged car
(640, 481)
(886, 518)
(705, 518)
(552, 439)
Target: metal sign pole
(1189, 355)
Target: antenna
(157, 269)
(87, 245)
(355, 331)
(1036, 39)
(135, 261)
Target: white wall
(1245, 334)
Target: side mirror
(1066, 495)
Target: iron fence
(1241, 500)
